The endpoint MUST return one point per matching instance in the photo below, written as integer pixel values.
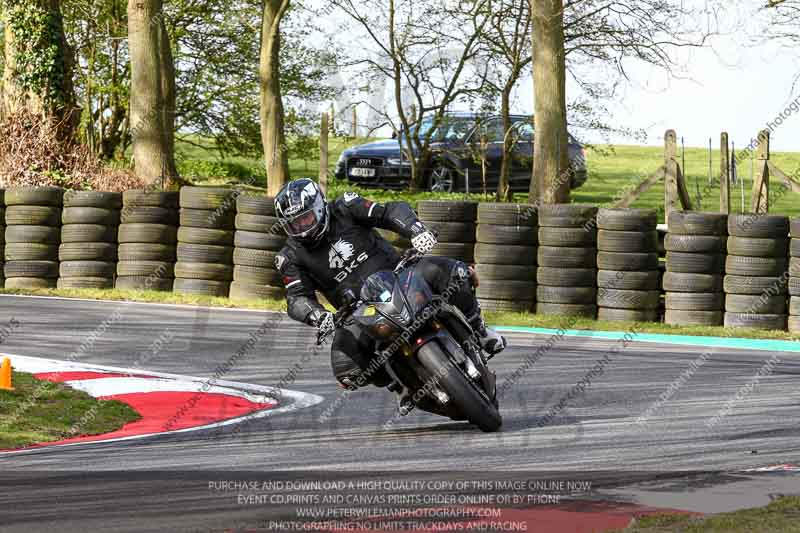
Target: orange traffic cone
(5, 375)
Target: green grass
(612, 171)
(587, 324)
(612, 174)
(151, 297)
(42, 411)
(781, 516)
(504, 319)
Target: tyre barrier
(733, 270)
(505, 255)
(2, 237)
(147, 240)
(627, 259)
(205, 241)
(794, 276)
(696, 245)
(88, 250)
(32, 236)
(756, 272)
(398, 242)
(567, 254)
(258, 240)
(455, 224)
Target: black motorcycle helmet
(302, 210)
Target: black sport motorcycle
(425, 344)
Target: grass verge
(43, 411)
(780, 516)
(556, 322)
(151, 297)
(505, 319)
(613, 170)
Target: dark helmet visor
(302, 223)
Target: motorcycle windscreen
(398, 297)
(378, 288)
(416, 290)
(384, 313)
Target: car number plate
(362, 172)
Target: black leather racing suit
(349, 252)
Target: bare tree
(603, 36)
(550, 156)
(273, 135)
(508, 46)
(425, 49)
(152, 93)
(784, 22)
(782, 3)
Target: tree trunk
(152, 93)
(51, 93)
(167, 68)
(550, 181)
(503, 188)
(113, 138)
(273, 136)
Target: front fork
(467, 357)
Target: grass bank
(780, 516)
(504, 319)
(613, 170)
(43, 411)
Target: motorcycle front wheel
(476, 406)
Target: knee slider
(347, 383)
(460, 271)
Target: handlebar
(339, 318)
(410, 256)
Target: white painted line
(132, 385)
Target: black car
(459, 157)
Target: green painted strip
(687, 340)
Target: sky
(738, 83)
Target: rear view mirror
(394, 135)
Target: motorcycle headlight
(382, 329)
(396, 162)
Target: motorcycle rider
(333, 248)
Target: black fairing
(401, 305)
(391, 302)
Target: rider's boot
(492, 342)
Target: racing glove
(424, 242)
(325, 324)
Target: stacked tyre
(147, 237)
(258, 240)
(695, 246)
(454, 223)
(32, 235)
(567, 275)
(205, 241)
(794, 277)
(628, 277)
(756, 272)
(88, 251)
(398, 242)
(2, 235)
(505, 256)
